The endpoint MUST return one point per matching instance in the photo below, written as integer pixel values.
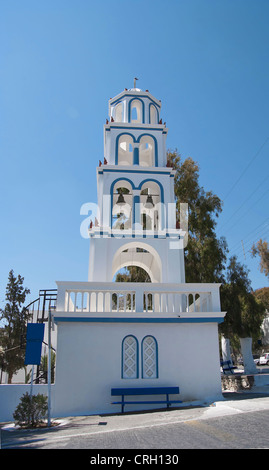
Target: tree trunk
(246, 349)
(226, 349)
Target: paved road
(240, 421)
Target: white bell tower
(136, 225)
(129, 335)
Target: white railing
(137, 297)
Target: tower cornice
(136, 93)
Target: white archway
(138, 254)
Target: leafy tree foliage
(205, 254)
(245, 312)
(31, 411)
(263, 295)
(14, 318)
(261, 249)
(133, 274)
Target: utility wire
(249, 238)
(242, 174)
(247, 248)
(255, 190)
(252, 231)
(247, 212)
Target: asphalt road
(240, 421)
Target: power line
(242, 174)
(246, 247)
(250, 234)
(255, 190)
(246, 213)
(255, 230)
(249, 244)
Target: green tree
(245, 312)
(263, 295)
(133, 274)
(235, 287)
(205, 254)
(261, 249)
(14, 318)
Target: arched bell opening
(136, 111)
(122, 205)
(117, 112)
(153, 114)
(146, 151)
(125, 150)
(150, 204)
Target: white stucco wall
(89, 363)
(10, 397)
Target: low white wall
(10, 395)
(89, 364)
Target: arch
(149, 357)
(149, 259)
(120, 152)
(122, 214)
(129, 358)
(155, 150)
(151, 216)
(154, 181)
(153, 114)
(138, 104)
(146, 151)
(125, 149)
(118, 112)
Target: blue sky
(61, 61)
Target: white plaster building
(162, 333)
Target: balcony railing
(87, 297)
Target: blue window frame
(129, 358)
(149, 357)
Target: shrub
(31, 411)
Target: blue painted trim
(135, 128)
(154, 181)
(137, 357)
(136, 211)
(155, 146)
(135, 200)
(158, 117)
(111, 193)
(137, 320)
(135, 171)
(162, 197)
(130, 109)
(156, 358)
(117, 145)
(135, 153)
(134, 96)
(140, 235)
(136, 156)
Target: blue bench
(227, 367)
(144, 391)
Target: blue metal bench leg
(167, 399)
(122, 403)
